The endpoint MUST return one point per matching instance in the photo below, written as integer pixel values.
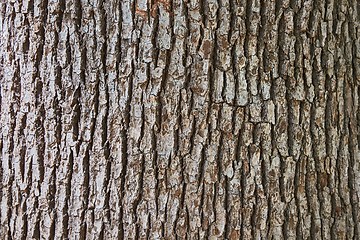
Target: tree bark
(184, 119)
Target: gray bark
(188, 119)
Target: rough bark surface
(188, 119)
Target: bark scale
(127, 119)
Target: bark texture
(187, 119)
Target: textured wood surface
(187, 119)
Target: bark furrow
(137, 119)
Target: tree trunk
(187, 119)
